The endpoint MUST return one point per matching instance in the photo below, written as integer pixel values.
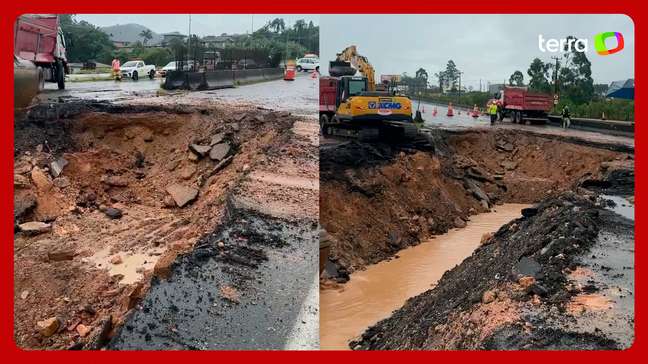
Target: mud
(484, 304)
(93, 269)
(378, 199)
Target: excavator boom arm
(350, 54)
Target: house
(218, 41)
(168, 37)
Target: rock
(147, 135)
(35, 227)
(83, 330)
(23, 205)
(192, 157)
(200, 150)
(504, 146)
(115, 181)
(113, 213)
(172, 165)
(529, 212)
(56, 167)
(188, 171)
(61, 182)
(86, 198)
(229, 293)
(116, 260)
(181, 194)
(430, 222)
(100, 337)
(24, 294)
(486, 239)
(488, 296)
(459, 222)
(40, 179)
(526, 282)
(162, 268)
(48, 327)
(61, 255)
(508, 165)
(216, 138)
(219, 151)
(21, 181)
(168, 201)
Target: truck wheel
(135, 76)
(41, 79)
(152, 74)
(60, 75)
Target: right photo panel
(476, 182)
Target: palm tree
(147, 34)
(278, 25)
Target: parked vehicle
(521, 105)
(39, 39)
(308, 64)
(173, 66)
(135, 69)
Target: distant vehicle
(173, 65)
(521, 105)
(134, 69)
(308, 64)
(247, 64)
(39, 39)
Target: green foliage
(449, 78)
(84, 41)
(575, 76)
(613, 109)
(538, 73)
(516, 79)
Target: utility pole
(556, 58)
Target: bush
(614, 109)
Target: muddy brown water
(372, 294)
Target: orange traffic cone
(450, 110)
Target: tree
(516, 79)
(449, 78)
(278, 25)
(147, 35)
(421, 79)
(441, 76)
(85, 42)
(575, 76)
(538, 80)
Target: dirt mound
(378, 199)
(515, 290)
(97, 185)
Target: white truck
(135, 69)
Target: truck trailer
(39, 39)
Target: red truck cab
(39, 39)
(520, 104)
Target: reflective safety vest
(492, 109)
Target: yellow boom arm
(350, 54)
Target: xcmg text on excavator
(353, 106)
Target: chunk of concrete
(200, 150)
(216, 138)
(40, 179)
(56, 167)
(35, 227)
(219, 151)
(181, 194)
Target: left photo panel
(166, 182)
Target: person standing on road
(116, 69)
(492, 111)
(566, 117)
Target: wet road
(299, 97)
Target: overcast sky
(486, 47)
(201, 24)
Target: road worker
(492, 111)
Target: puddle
(621, 206)
(132, 267)
(372, 294)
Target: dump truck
(351, 106)
(39, 39)
(521, 105)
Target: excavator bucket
(341, 68)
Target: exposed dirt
(377, 199)
(560, 278)
(112, 223)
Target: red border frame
(13, 9)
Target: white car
(307, 64)
(173, 65)
(135, 69)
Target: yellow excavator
(352, 106)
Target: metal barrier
(273, 73)
(196, 81)
(243, 77)
(219, 79)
